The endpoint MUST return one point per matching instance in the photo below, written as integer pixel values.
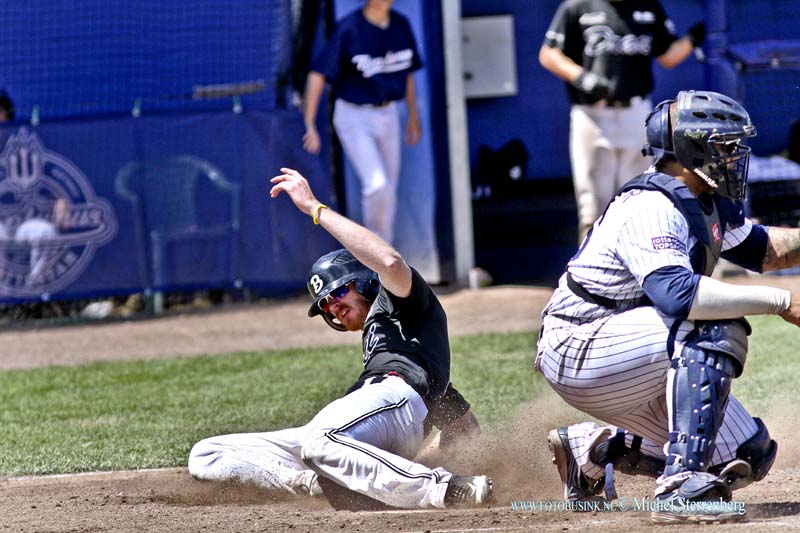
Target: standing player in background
(370, 60)
(639, 336)
(360, 447)
(604, 50)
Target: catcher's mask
(708, 139)
(330, 275)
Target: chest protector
(706, 224)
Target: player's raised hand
(296, 186)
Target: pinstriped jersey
(641, 231)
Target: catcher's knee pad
(628, 460)
(698, 384)
(759, 451)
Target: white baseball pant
(371, 139)
(364, 441)
(605, 147)
(615, 369)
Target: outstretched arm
(375, 253)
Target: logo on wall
(51, 222)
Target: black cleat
(703, 498)
(577, 487)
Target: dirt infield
(169, 500)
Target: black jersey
(408, 336)
(617, 39)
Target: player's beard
(352, 317)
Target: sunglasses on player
(334, 296)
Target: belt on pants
(376, 105)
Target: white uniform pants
(615, 369)
(370, 137)
(364, 441)
(605, 147)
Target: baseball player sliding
(359, 449)
(639, 336)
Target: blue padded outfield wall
(157, 202)
(122, 174)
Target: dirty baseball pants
(605, 147)
(370, 137)
(615, 369)
(363, 441)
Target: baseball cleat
(703, 498)
(468, 490)
(577, 487)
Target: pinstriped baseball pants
(615, 369)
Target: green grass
(123, 415)
(144, 414)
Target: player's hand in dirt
(465, 426)
(296, 186)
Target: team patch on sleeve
(666, 242)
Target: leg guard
(698, 385)
(759, 451)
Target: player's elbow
(547, 57)
(392, 262)
(668, 62)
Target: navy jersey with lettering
(615, 39)
(408, 336)
(367, 64)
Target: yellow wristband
(315, 213)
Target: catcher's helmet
(707, 139)
(333, 270)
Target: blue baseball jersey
(367, 64)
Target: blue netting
(100, 56)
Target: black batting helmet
(707, 139)
(334, 270)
